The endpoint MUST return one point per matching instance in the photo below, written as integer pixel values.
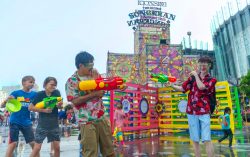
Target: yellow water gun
(49, 102)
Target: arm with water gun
(49, 102)
(162, 78)
(103, 84)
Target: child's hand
(169, 84)
(59, 104)
(10, 97)
(47, 110)
(95, 74)
(6, 100)
(123, 87)
(225, 123)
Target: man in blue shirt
(21, 121)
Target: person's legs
(32, 145)
(13, 139)
(230, 137)
(40, 135)
(196, 147)
(209, 148)
(56, 145)
(36, 150)
(10, 149)
(80, 154)
(224, 137)
(65, 129)
(28, 134)
(80, 148)
(89, 140)
(105, 135)
(53, 136)
(194, 131)
(120, 137)
(29, 137)
(69, 131)
(206, 134)
(52, 150)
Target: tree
(245, 84)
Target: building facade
(231, 38)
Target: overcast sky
(42, 37)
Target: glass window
(248, 57)
(243, 21)
(234, 26)
(228, 36)
(225, 35)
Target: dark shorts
(79, 137)
(51, 134)
(27, 132)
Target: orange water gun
(102, 84)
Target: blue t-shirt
(22, 117)
(225, 117)
(62, 115)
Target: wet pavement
(171, 145)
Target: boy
(225, 123)
(95, 130)
(20, 121)
(201, 86)
(63, 119)
(47, 125)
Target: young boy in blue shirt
(225, 123)
(21, 121)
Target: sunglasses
(89, 65)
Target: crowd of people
(4, 118)
(86, 112)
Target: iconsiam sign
(155, 17)
(152, 3)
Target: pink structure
(137, 121)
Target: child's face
(50, 86)
(204, 67)
(70, 111)
(29, 84)
(119, 106)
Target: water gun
(49, 102)
(118, 134)
(162, 78)
(102, 84)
